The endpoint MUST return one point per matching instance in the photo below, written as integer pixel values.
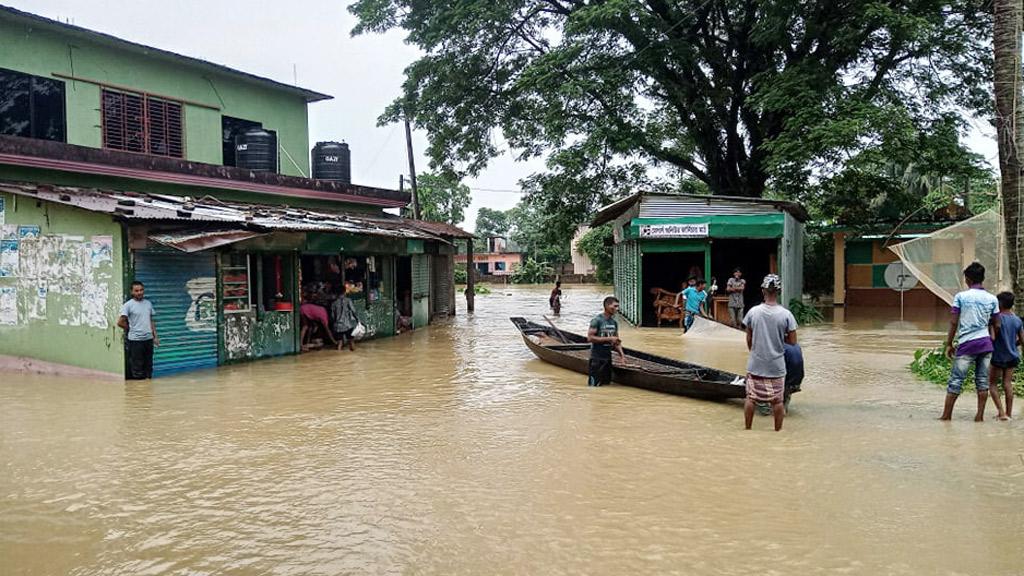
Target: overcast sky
(310, 40)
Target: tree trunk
(1009, 123)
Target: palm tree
(1006, 40)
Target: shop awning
(195, 241)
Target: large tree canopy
(442, 199)
(738, 94)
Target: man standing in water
(769, 328)
(603, 336)
(975, 323)
(735, 287)
(555, 300)
(137, 320)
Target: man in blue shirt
(696, 301)
(137, 320)
(975, 324)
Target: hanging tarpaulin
(938, 259)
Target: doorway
(667, 271)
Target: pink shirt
(314, 312)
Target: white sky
(311, 39)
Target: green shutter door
(420, 290)
(182, 288)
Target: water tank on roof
(256, 150)
(332, 161)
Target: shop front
(662, 240)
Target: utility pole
(412, 171)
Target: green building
(120, 161)
(662, 239)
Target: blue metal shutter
(182, 288)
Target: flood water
(453, 450)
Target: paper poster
(8, 258)
(102, 250)
(94, 305)
(37, 304)
(9, 232)
(28, 232)
(8, 306)
(3, 211)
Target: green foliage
(442, 199)
(481, 289)
(595, 243)
(540, 234)
(491, 222)
(805, 314)
(461, 277)
(738, 95)
(531, 272)
(819, 268)
(932, 365)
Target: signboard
(674, 230)
(899, 278)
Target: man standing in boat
(603, 336)
(769, 328)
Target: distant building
(581, 263)
(499, 259)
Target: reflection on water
(454, 450)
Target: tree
(491, 222)
(737, 94)
(442, 199)
(541, 235)
(1009, 124)
(595, 243)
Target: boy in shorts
(975, 324)
(1005, 355)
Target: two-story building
(120, 161)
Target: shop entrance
(667, 271)
(403, 286)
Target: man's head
(611, 305)
(771, 286)
(737, 273)
(138, 290)
(691, 281)
(1005, 300)
(701, 283)
(558, 284)
(974, 273)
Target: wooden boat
(646, 371)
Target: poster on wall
(8, 258)
(37, 303)
(8, 306)
(28, 232)
(102, 250)
(9, 232)
(3, 211)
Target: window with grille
(142, 123)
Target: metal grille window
(142, 123)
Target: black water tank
(332, 161)
(256, 150)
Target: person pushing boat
(603, 336)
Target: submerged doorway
(668, 271)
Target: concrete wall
(43, 52)
(61, 285)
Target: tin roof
(441, 229)
(71, 29)
(213, 212)
(697, 205)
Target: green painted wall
(66, 285)
(43, 52)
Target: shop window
(277, 284)
(499, 266)
(236, 286)
(136, 122)
(32, 106)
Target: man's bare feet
(945, 418)
(979, 418)
(1002, 417)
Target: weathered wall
(61, 284)
(248, 338)
(36, 50)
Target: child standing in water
(1006, 355)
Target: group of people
(775, 366)
(986, 334)
(337, 326)
(693, 299)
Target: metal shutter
(442, 285)
(182, 288)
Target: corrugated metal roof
(441, 228)
(198, 240)
(676, 205)
(134, 206)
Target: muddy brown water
(454, 451)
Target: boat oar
(557, 331)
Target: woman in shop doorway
(345, 321)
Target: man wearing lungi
(769, 327)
